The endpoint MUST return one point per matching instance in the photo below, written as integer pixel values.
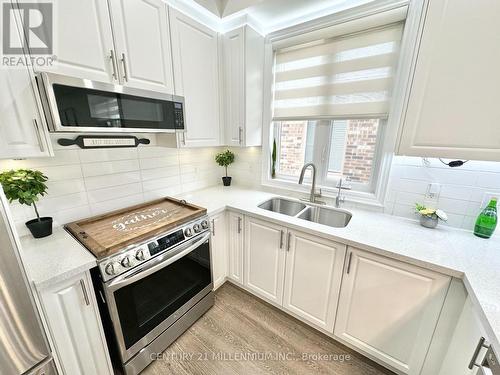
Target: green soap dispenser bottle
(487, 220)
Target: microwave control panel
(179, 115)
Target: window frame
(387, 138)
(321, 152)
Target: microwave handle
(157, 264)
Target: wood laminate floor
(244, 335)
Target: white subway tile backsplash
(109, 167)
(101, 195)
(115, 204)
(464, 191)
(85, 182)
(97, 155)
(61, 172)
(101, 182)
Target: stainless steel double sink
(322, 215)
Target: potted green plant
(429, 217)
(224, 159)
(26, 186)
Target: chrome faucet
(313, 195)
(341, 199)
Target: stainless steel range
(152, 291)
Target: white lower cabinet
(312, 278)
(235, 247)
(219, 248)
(74, 323)
(466, 338)
(265, 259)
(388, 309)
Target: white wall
(461, 194)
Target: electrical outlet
(433, 191)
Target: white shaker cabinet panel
(143, 49)
(219, 248)
(452, 107)
(312, 278)
(74, 323)
(235, 247)
(243, 51)
(83, 40)
(265, 259)
(195, 55)
(23, 130)
(388, 309)
(468, 332)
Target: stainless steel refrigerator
(23, 345)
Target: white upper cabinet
(312, 278)
(388, 309)
(195, 55)
(23, 130)
(142, 38)
(243, 51)
(452, 108)
(83, 40)
(265, 259)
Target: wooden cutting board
(105, 234)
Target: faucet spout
(313, 195)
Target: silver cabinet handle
(288, 241)
(349, 263)
(213, 227)
(85, 295)
(240, 132)
(184, 138)
(125, 70)
(113, 64)
(479, 346)
(281, 238)
(239, 224)
(38, 135)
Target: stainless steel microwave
(81, 105)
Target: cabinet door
(312, 278)
(467, 334)
(265, 259)
(235, 247)
(196, 77)
(219, 248)
(452, 110)
(23, 130)
(75, 326)
(234, 68)
(83, 40)
(389, 309)
(143, 44)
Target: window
(330, 105)
(338, 148)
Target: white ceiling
(273, 15)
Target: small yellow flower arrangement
(429, 217)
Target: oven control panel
(126, 260)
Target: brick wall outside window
(359, 154)
(360, 149)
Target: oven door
(81, 105)
(145, 302)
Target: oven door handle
(158, 263)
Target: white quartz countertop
(54, 258)
(450, 251)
